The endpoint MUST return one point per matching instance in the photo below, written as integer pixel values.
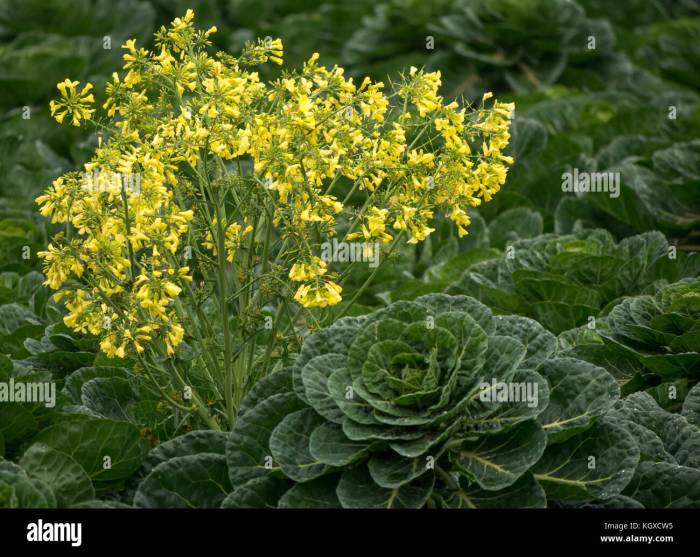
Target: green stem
(201, 408)
(223, 308)
(132, 259)
(371, 276)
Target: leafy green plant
(58, 447)
(659, 190)
(649, 143)
(187, 471)
(520, 45)
(72, 462)
(649, 342)
(630, 106)
(668, 475)
(565, 280)
(395, 410)
(221, 197)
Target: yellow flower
(318, 295)
(84, 315)
(175, 335)
(301, 271)
(232, 242)
(59, 198)
(275, 51)
(374, 227)
(461, 219)
(113, 347)
(74, 104)
(180, 24)
(263, 51)
(155, 291)
(421, 89)
(59, 264)
(134, 59)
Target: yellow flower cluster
(374, 227)
(119, 276)
(217, 152)
(421, 89)
(316, 292)
(76, 105)
(233, 233)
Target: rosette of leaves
(35, 347)
(521, 44)
(622, 126)
(648, 343)
(401, 409)
(668, 475)
(658, 186)
(564, 280)
(661, 332)
(72, 462)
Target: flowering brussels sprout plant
(192, 238)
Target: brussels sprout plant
(436, 403)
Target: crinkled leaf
(357, 490)
(527, 395)
(257, 493)
(74, 381)
(197, 481)
(289, 443)
(108, 397)
(660, 485)
(67, 479)
(107, 450)
(275, 383)
(17, 490)
(391, 470)
(443, 303)
(540, 343)
(595, 464)
(578, 393)
(691, 406)
(16, 422)
(497, 461)
(502, 358)
(248, 450)
(328, 444)
(525, 493)
(316, 494)
(314, 377)
(191, 443)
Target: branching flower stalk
(192, 237)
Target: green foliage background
(598, 85)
